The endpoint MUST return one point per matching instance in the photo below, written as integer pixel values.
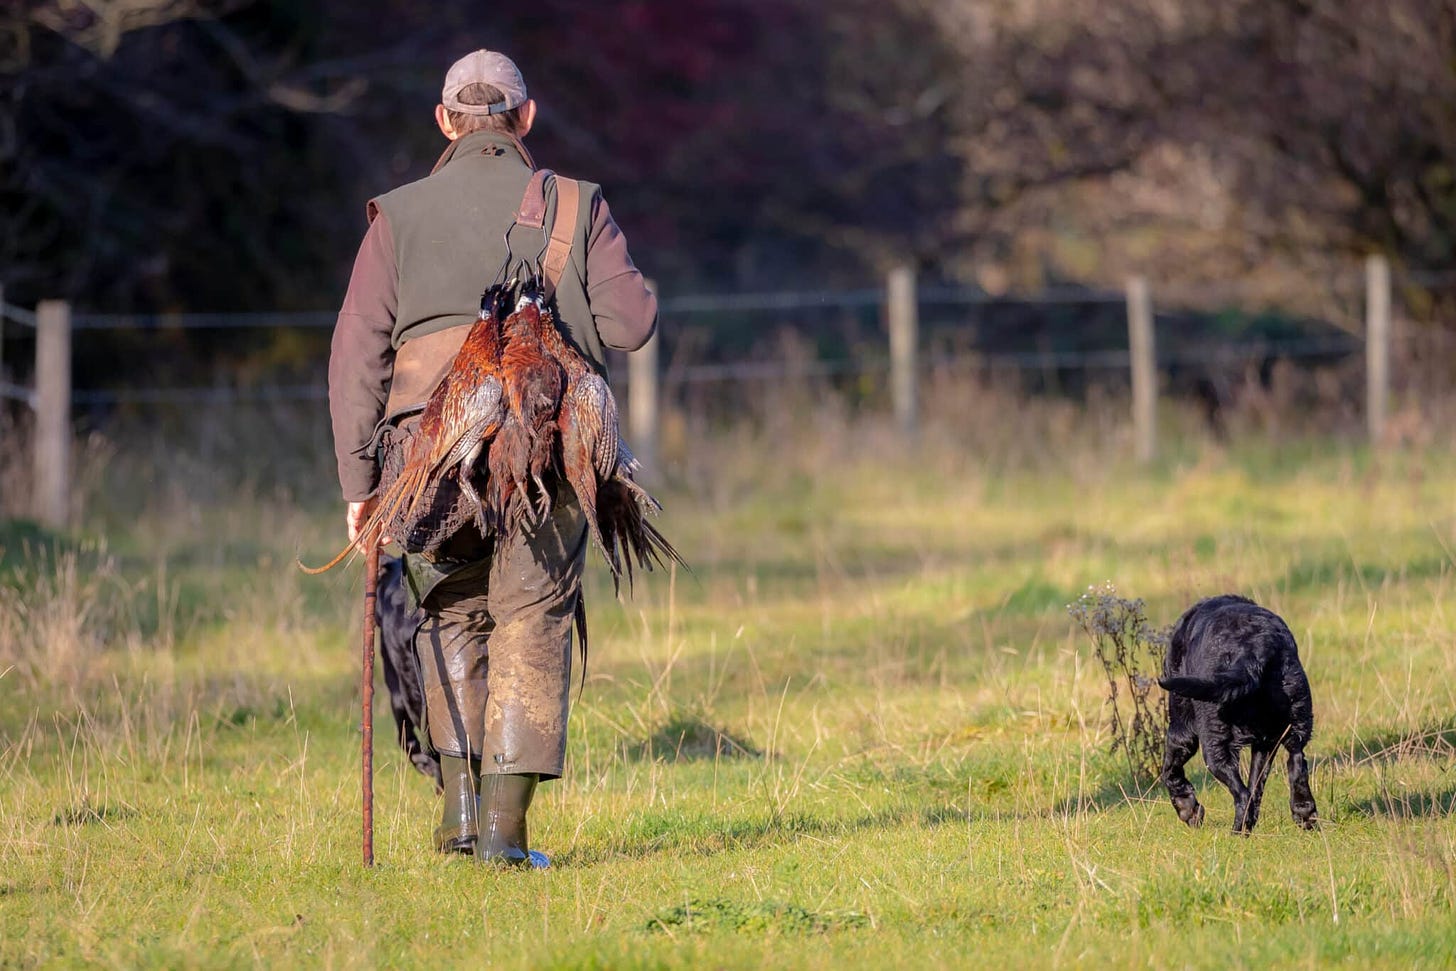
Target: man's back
(449, 230)
(449, 235)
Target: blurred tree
(1236, 140)
(141, 158)
(1355, 106)
(216, 154)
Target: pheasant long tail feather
(389, 506)
(579, 617)
(629, 539)
(316, 570)
(648, 542)
(585, 487)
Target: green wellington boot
(459, 824)
(504, 801)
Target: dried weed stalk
(1131, 653)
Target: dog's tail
(1220, 689)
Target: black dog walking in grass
(1234, 681)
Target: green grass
(864, 733)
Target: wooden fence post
(1377, 345)
(2, 363)
(53, 413)
(1144, 369)
(642, 396)
(901, 312)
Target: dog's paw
(1309, 823)
(1192, 815)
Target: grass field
(864, 733)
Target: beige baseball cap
(484, 67)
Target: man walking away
(495, 645)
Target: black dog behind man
(1234, 680)
(397, 626)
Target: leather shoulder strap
(532, 214)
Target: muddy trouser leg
(452, 648)
(535, 582)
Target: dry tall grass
(238, 490)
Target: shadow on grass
(1408, 805)
(679, 833)
(86, 814)
(224, 704)
(755, 917)
(1436, 742)
(785, 578)
(650, 834)
(21, 539)
(690, 738)
(1110, 795)
(1432, 743)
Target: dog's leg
(1301, 728)
(1260, 761)
(1223, 762)
(1182, 745)
(1301, 799)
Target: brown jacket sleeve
(624, 309)
(361, 358)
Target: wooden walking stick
(371, 581)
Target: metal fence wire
(711, 346)
(727, 338)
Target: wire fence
(894, 335)
(681, 309)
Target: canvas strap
(421, 362)
(532, 214)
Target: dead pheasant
(533, 383)
(586, 423)
(599, 467)
(463, 414)
(518, 388)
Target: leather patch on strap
(533, 204)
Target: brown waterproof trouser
(495, 648)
